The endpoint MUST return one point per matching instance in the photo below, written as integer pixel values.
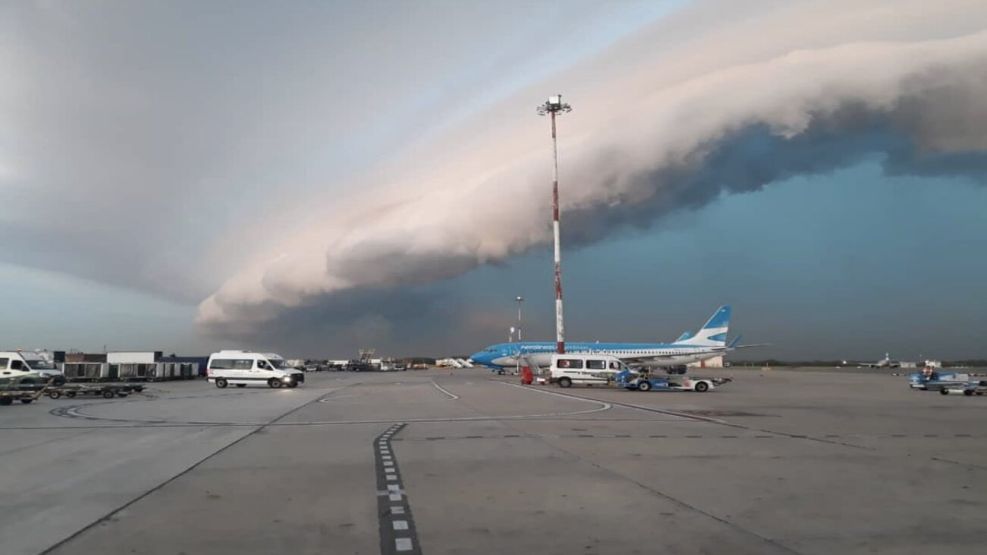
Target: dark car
(358, 366)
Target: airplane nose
(480, 358)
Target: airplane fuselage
(540, 353)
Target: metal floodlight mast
(552, 107)
(519, 300)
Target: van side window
(243, 364)
(3, 363)
(570, 363)
(596, 364)
(262, 364)
(16, 365)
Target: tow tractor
(645, 381)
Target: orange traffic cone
(526, 376)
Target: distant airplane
(886, 362)
(709, 342)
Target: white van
(585, 368)
(241, 368)
(25, 363)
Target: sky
(315, 178)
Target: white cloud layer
(725, 96)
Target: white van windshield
(38, 364)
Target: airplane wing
(641, 358)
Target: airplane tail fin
(714, 331)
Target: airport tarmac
(460, 461)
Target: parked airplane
(886, 362)
(709, 342)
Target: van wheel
(26, 401)
(968, 392)
(54, 394)
(644, 385)
(108, 394)
(944, 391)
(221, 383)
(274, 383)
(70, 394)
(702, 387)
(565, 382)
(241, 385)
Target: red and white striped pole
(553, 106)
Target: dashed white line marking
(392, 487)
(397, 510)
(395, 497)
(400, 524)
(403, 544)
(391, 478)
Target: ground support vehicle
(936, 380)
(242, 368)
(648, 382)
(974, 387)
(104, 390)
(583, 368)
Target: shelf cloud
(705, 103)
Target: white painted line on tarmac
(603, 405)
(400, 524)
(397, 510)
(403, 544)
(443, 390)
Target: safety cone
(526, 376)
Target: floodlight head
(554, 105)
(519, 298)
